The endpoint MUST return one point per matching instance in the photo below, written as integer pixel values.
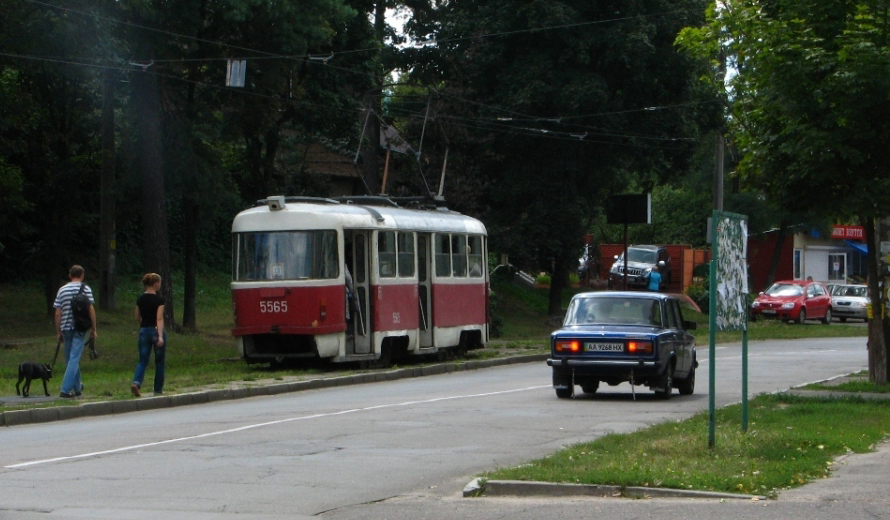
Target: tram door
(357, 262)
(424, 268)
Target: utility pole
(373, 102)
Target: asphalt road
(399, 449)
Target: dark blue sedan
(617, 337)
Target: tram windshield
(286, 255)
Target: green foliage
(554, 121)
(699, 291)
(808, 99)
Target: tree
(809, 111)
(47, 143)
(559, 104)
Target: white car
(850, 301)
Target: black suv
(640, 261)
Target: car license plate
(604, 347)
(768, 311)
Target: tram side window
(287, 255)
(386, 253)
(475, 256)
(443, 255)
(406, 254)
(459, 255)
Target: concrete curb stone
(16, 417)
(36, 415)
(550, 489)
(838, 395)
(153, 403)
(44, 414)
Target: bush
(700, 292)
(495, 322)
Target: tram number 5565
(278, 306)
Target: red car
(794, 300)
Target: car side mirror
(689, 325)
(661, 263)
(615, 257)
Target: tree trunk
(190, 207)
(155, 248)
(559, 280)
(877, 348)
(107, 242)
(782, 233)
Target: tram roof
(330, 214)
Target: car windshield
(614, 310)
(859, 291)
(784, 289)
(643, 256)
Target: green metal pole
(745, 374)
(712, 330)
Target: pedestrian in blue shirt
(654, 279)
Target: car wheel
(564, 393)
(666, 383)
(591, 387)
(687, 386)
(802, 317)
(827, 319)
(752, 317)
(844, 320)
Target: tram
(357, 279)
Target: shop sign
(848, 232)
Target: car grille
(843, 303)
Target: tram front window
(287, 255)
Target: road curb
(520, 488)
(831, 394)
(77, 410)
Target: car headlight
(789, 305)
(860, 304)
(755, 305)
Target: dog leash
(56, 356)
(94, 354)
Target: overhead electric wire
(540, 132)
(271, 55)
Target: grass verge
(208, 357)
(790, 441)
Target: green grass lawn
(790, 441)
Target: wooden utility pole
(373, 102)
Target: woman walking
(150, 315)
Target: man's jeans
(74, 342)
(148, 338)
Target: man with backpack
(75, 316)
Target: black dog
(30, 370)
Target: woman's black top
(148, 304)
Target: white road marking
(269, 423)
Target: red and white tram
(420, 280)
